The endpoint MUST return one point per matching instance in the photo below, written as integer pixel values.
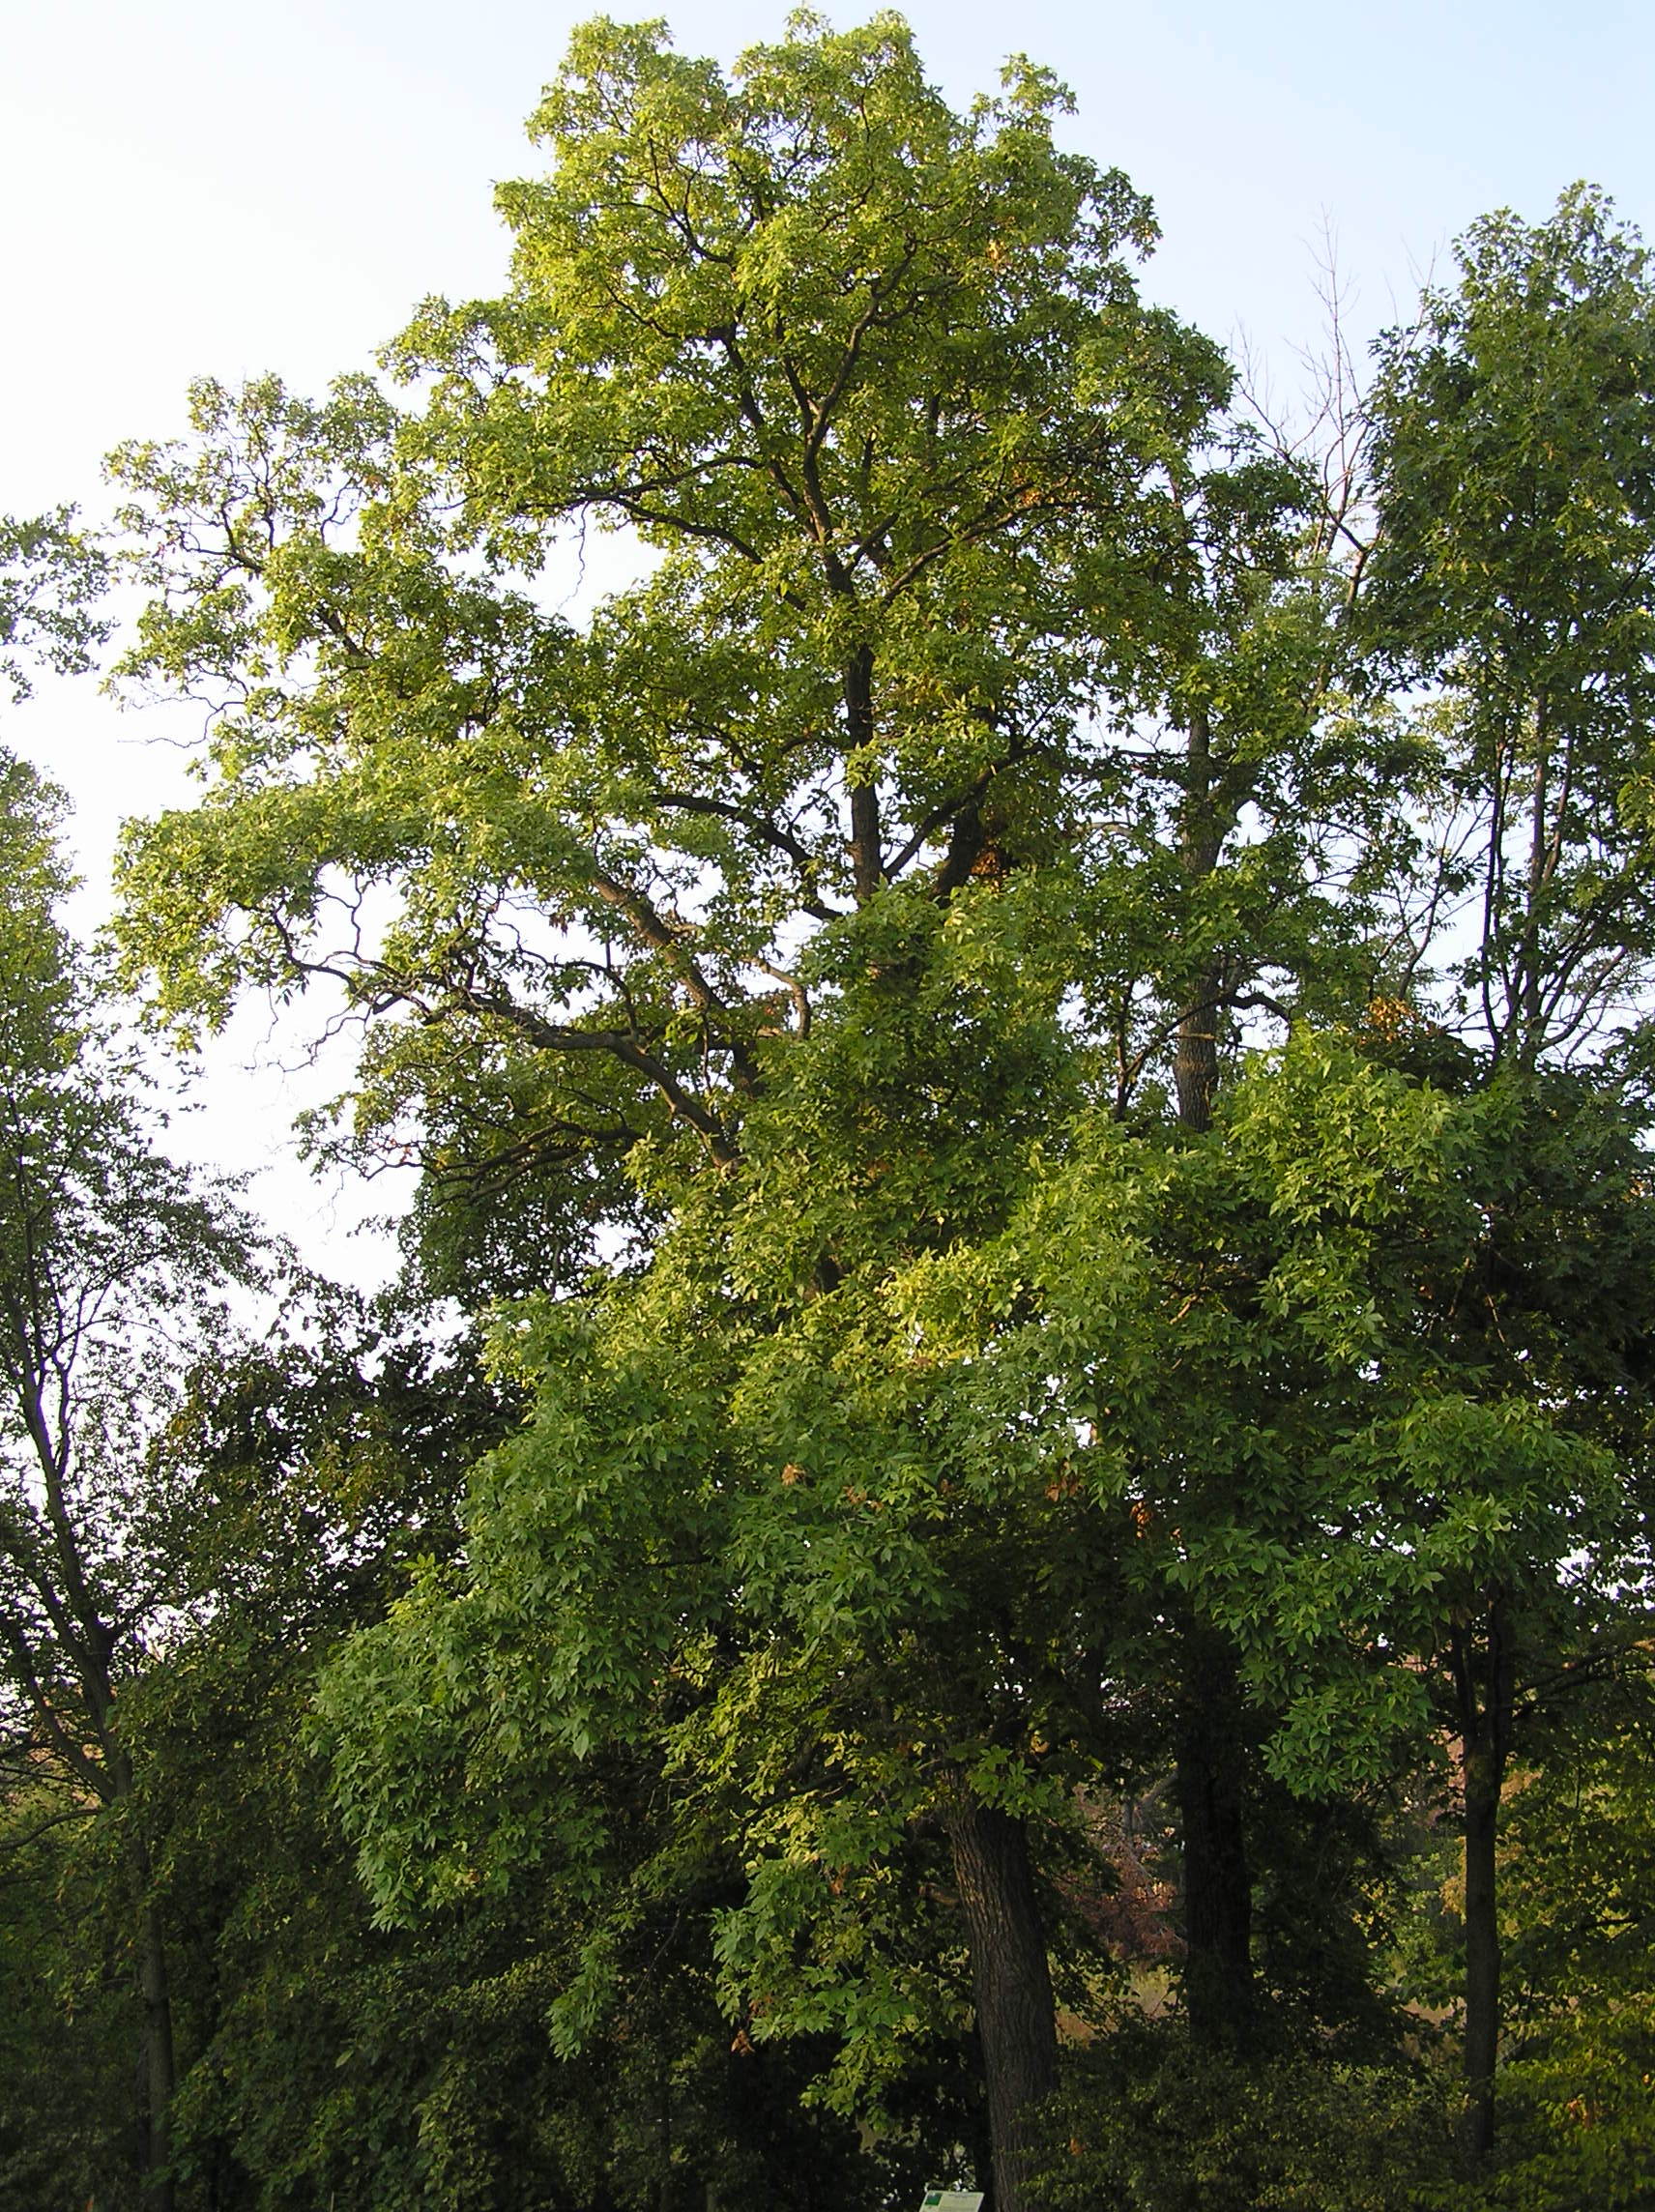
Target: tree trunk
(158, 2061)
(1218, 1889)
(155, 1994)
(868, 864)
(1201, 836)
(1011, 1984)
(1485, 1744)
(1482, 1970)
(1195, 1052)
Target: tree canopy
(1007, 1485)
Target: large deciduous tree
(872, 383)
(846, 937)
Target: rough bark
(1195, 1052)
(1011, 1984)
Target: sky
(201, 187)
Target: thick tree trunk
(1011, 1984)
(1218, 1889)
(1195, 1052)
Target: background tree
(51, 579)
(1256, 822)
(1510, 576)
(1516, 531)
(108, 1258)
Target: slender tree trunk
(1011, 1984)
(156, 1994)
(158, 2061)
(1482, 1969)
(1485, 1733)
(1218, 1888)
(1201, 836)
(1529, 977)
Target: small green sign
(952, 2200)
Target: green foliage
(51, 577)
(322, 2062)
(1515, 502)
(724, 1545)
(1579, 2125)
(819, 991)
(110, 1257)
(874, 381)
(1150, 2125)
(67, 2135)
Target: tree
(871, 379)
(1516, 532)
(107, 1258)
(1262, 820)
(52, 578)
(309, 1475)
(780, 978)
(1577, 2115)
(1516, 541)
(1488, 1537)
(722, 1549)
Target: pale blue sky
(199, 185)
(194, 186)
